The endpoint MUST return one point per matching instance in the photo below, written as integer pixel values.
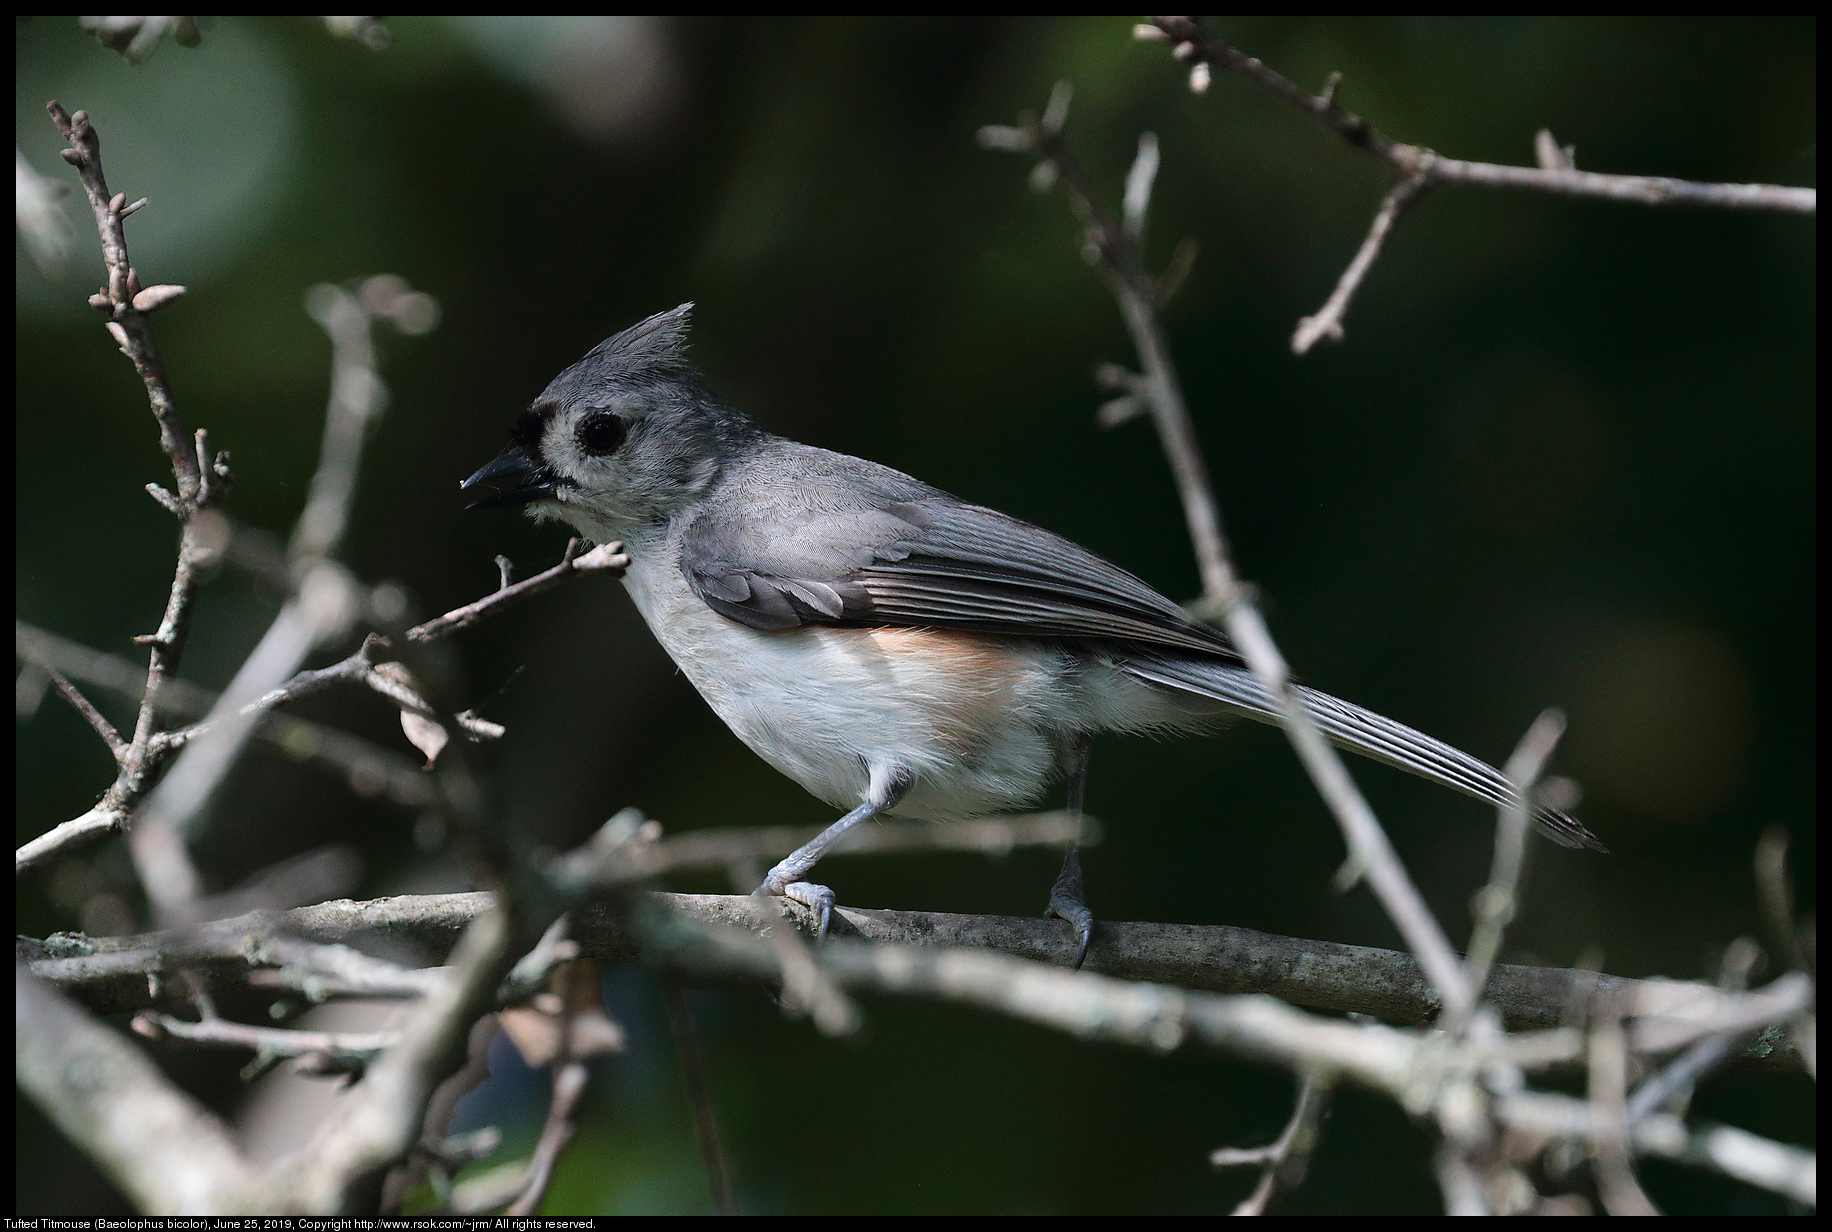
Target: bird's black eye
(601, 433)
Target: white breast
(977, 719)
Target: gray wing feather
(901, 553)
(1360, 731)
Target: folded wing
(927, 563)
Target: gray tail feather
(1359, 731)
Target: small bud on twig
(120, 336)
(1004, 137)
(1199, 78)
(1329, 89)
(100, 301)
(1121, 410)
(132, 207)
(388, 604)
(1057, 113)
(165, 498)
(377, 294)
(1138, 185)
(73, 157)
(415, 313)
(1145, 32)
(1118, 378)
(1551, 155)
(116, 202)
(154, 298)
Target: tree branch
(1420, 168)
(1327, 323)
(116, 974)
(367, 767)
(117, 747)
(168, 1153)
(1192, 43)
(1282, 1164)
(110, 815)
(1223, 594)
(202, 482)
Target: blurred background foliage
(1565, 456)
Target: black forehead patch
(530, 424)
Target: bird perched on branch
(893, 649)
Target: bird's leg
(1065, 896)
(785, 880)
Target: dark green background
(1564, 456)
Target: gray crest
(658, 344)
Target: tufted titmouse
(893, 649)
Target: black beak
(531, 481)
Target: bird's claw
(1076, 914)
(816, 898)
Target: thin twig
(318, 972)
(1776, 894)
(1496, 902)
(1223, 593)
(1327, 323)
(1420, 168)
(339, 1052)
(85, 154)
(1679, 1076)
(160, 834)
(1413, 160)
(110, 815)
(117, 747)
(699, 1097)
(590, 869)
(563, 1029)
(202, 482)
(1283, 1163)
(568, 1085)
(434, 1149)
(382, 1119)
(1678, 1013)
(605, 558)
(569, 1079)
(1775, 1166)
(357, 395)
(368, 768)
(324, 605)
(1607, 1068)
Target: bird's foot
(1066, 905)
(816, 898)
